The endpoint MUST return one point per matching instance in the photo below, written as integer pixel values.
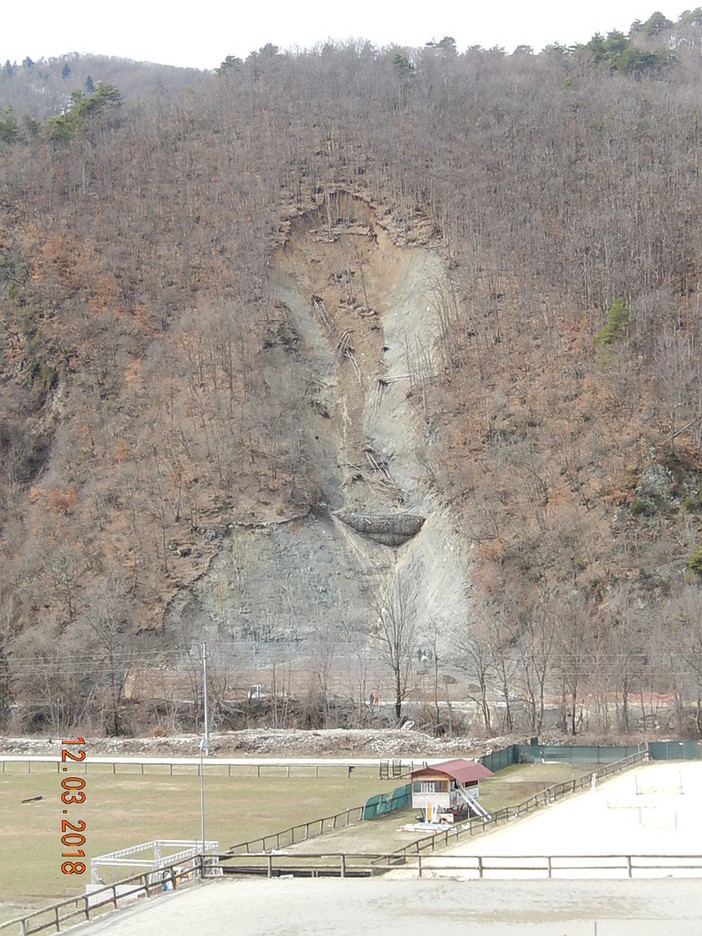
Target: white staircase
(474, 804)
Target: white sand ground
(416, 908)
(656, 810)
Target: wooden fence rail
(72, 910)
(476, 867)
(299, 833)
(565, 866)
(222, 767)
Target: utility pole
(204, 749)
(202, 805)
(204, 689)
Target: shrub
(642, 507)
(694, 561)
(693, 502)
(616, 327)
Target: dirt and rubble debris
(275, 743)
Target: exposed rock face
(361, 310)
(282, 582)
(387, 529)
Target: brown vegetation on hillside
(153, 389)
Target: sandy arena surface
(417, 908)
(656, 810)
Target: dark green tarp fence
(383, 803)
(588, 754)
(675, 750)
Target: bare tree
(574, 654)
(108, 620)
(535, 650)
(683, 638)
(324, 653)
(394, 634)
(473, 654)
(50, 672)
(677, 370)
(629, 649)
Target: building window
(430, 786)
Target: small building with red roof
(449, 790)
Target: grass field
(128, 808)
(517, 784)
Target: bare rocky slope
(358, 339)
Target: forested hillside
(465, 285)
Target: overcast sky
(201, 34)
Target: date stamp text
(72, 793)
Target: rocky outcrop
(387, 529)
